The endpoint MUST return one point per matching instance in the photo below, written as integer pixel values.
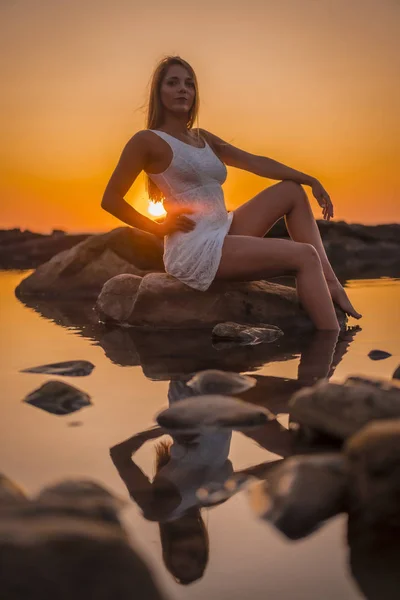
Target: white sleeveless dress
(194, 178)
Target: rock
(212, 412)
(378, 354)
(341, 410)
(58, 398)
(300, 493)
(396, 374)
(27, 250)
(247, 335)
(71, 368)
(357, 251)
(82, 271)
(373, 455)
(69, 543)
(161, 301)
(213, 381)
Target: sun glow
(156, 209)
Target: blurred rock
(68, 544)
(212, 412)
(396, 374)
(340, 410)
(373, 455)
(213, 381)
(300, 493)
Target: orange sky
(311, 83)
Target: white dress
(194, 178)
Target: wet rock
(378, 354)
(396, 374)
(81, 271)
(340, 410)
(58, 398)
(212, 412)
(161, 301)
(301, 493)
(213, 381)
(70, 368)
(10, 492)
(373, 455)
(246, 334)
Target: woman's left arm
(269, 168)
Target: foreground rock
(341, 410)
(212, 412)
(58, 398)
(82, 271)
(161, 301)
(68, 543)
(301, 492)
(70, 368)
(373, 455)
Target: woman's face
(177, 90)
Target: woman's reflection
(186, 463)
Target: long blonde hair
(155, 110)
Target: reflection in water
(192, 462)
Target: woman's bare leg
(288, 199)
(247, 258)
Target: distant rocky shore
(355, 250)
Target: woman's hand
(176, 221)
(323, 199)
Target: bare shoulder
(216, 143)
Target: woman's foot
(339, 297)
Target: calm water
(130, 384)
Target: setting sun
(156, 209)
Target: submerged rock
(213, 381)
(246, 334)
(70, 368)
(212, 412)
(340, 410)
(300, 493)
(378, 354)
(58, 398)
(160, 301)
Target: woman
(186, 168)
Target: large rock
(83, 270)
(161, 301)
(69, 543)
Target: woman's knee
(308, 256)
(295, 191)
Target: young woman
(186, 168)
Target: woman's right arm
(134, 158)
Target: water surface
(129, 386)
